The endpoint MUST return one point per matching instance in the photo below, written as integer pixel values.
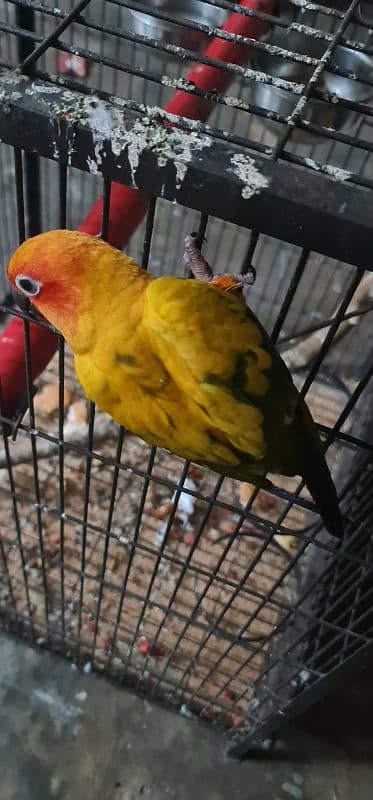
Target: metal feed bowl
(147, 25)
(327, 114)
(330, 114)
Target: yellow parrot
(182, 363)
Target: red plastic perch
(127, 205)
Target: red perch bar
(127, 205)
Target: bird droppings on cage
(278, 83)
(153, 640)
(185, 506)
(41, 88)
(107, 125)
(12, 76)
(245, 169)
(337, 173)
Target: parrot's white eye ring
(27, 285)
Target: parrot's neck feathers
(112, 288)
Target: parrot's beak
(27, 307)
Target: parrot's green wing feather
(215, 350)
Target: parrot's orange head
(50, 269)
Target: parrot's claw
(194, 235)
(250, 276)
(201, 270)
(233, 283)
(194, 261)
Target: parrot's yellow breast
(180, 375)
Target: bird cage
(251, 124)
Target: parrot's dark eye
(27, 286)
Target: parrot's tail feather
(321, 486)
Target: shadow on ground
(66, 734)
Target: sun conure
(182, 363)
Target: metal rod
(25, 18)
(30, 60)
(313, 80)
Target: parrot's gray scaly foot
(194, 261)
(201, 270)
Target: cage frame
(284, 204)
(300, 206)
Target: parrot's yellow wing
(221, 358)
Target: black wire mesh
(222, 600)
